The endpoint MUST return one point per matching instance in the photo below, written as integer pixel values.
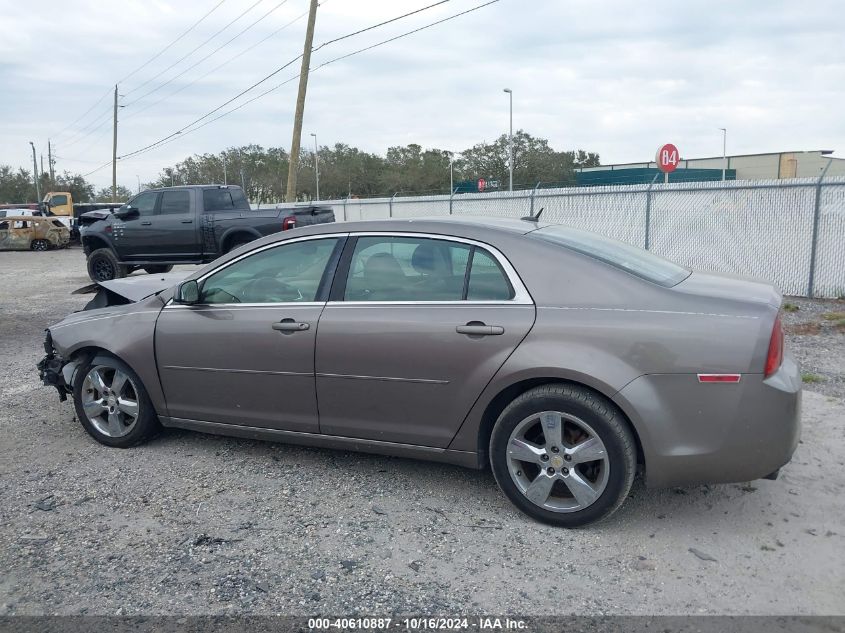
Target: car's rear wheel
(237, 241)
(112, 404)
(39, 245)
(563, 455)
(103, 266)
(159, 269)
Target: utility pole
(114, 152)
(316, 164)
(50, 161)
(290, 194)
(223, 156)
(510, 140)
(35, 175)
(724, 151)
(42, 163)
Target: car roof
(466, 226)
(195, 187)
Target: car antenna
(533, 218)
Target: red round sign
(667, 158)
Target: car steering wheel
(269, 290)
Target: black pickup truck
(194, 224)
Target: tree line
(345, 171)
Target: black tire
(145, 424)
(603, 418)
(158, 269)
(236, 242)
(39, 245)
(104, 266)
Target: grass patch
(834, 316)
(811, 378)
(790, 307)
(802, 328)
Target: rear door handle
(146, 222)
(187, 221)
(476, 328)
(289, 325)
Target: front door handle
(146, 223)
(477, 328)
(186, 221)
(289, 325)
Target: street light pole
(139, 182)
(316, 164)
(35, 176)
(724, 151)
(510, 140)
(451, 176)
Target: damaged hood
(136, 288)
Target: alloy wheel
(110, 401)
(558, 461)
(103, 270)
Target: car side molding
(467, 459)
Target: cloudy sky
(618, 78)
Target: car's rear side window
(177, 201)
(224, 199)
(632, 259)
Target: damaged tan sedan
(23, 233)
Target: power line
(201, 60)
(281, 68)
(91, 128)
(82, 116)
(185, 131)
(194, 50)
(166, 48)
(218, 67)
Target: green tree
(104, 194)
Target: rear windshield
(632, 259)
(224, 199)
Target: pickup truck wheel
(237, 242)
(158, 269)
(112, 404)
(103, 266)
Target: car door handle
(289, 325)
(477, 328)
(146, 223)
(187, 221)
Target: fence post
(451, 195)
(344, 207)
(814, 244)
(390, 207)
(533, 191)
(648, 213)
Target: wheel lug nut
(568, 458)
(565, 471)
(555, 449)
(545, 458)
(550, 471)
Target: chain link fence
(789, 232)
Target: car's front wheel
(563, 455)
(112, 404)
(39, 245)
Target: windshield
(632, 259)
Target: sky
(614, 77)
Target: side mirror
(126, 212)
(187, 293)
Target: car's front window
(632, 259)
(145, 203)
(286, 273)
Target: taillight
(775, 356)
(289, 223)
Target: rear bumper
(694, 433)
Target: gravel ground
(816, 338)
(196, 524)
